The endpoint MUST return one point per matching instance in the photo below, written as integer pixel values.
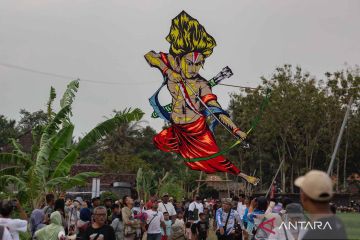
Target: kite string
(26, 69)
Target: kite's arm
(226, 120)
(210, 100)
(154, 60)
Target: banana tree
(145, 183)
(47, 167)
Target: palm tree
(47, 167)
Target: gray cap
(79, 199)
(294, 208)
(295, 211)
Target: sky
(106, 40)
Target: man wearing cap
(316, 191)
(166, 206)
(225, 221)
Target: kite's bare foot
(250, 179)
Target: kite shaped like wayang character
(192, 99)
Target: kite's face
(191, 63)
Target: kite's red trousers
(194, 140)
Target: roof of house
(220, 184)
(107, 178)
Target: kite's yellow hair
(188, 35)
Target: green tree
(29, 121)
(299, 126)
(47, 167)
(7, 130)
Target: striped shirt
(221, 217)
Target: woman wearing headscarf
(54, 231)
(36, 221)
(84, 222)
(118, 225)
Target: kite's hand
(154, 59)
(241, 134)
(175, 77)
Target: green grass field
(352, 224)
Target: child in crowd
(178, 228)
(201, 228)
(188, 235)
(207, 215)
(168, 224)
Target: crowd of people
(165, 218)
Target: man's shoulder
(332, 228)
(126, 210)
(170, 205)
(335, 222)
(104, 228)
(108, 228)
(149, 212)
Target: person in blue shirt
(225, 221)
(246, 212)
(168, 224)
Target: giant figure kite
(192, 100)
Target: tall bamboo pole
(198, 187)
(272, 182)
(227, 184)
(340, 136)
(346, 153)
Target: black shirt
(200, 228)
(332, 228)
(106, 232)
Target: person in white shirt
(12, 226)
(4, 233)
(195, 208)
(155, 221)
(166, 206)
(241, 205)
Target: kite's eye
(200, 64)
(189, 62)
